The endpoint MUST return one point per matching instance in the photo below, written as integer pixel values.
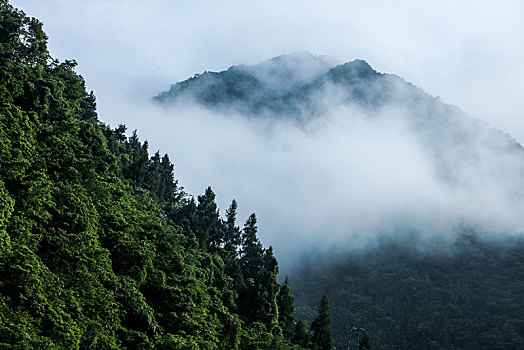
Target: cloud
(351, 176)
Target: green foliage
(302, 336)
(466, 297)
(99, 247)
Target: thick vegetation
(100, 247)
(466, 297)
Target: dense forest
(100, 246)
(467, 295)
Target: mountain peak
(281, 83)
(284, 72)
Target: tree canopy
(100, 246)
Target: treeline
(100, 247)
(466, 296)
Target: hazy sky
(302, 186)
(470, 53)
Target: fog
(351, 176)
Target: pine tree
(154, 179)
(252, 250)
(232, 237)
(365, 342)
(302, 335)
(321, 327)
(207, 228)
(286, 309)
(268, 288)
(250, 305)
(171, 194)
(137, 169)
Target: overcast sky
(470, 53)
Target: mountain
(464, 153)
(444, 271)
(295, 85)
(268, 86)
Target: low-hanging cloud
(351, 175)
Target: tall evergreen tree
(232, 235)
(137, 169)
(171, 194)
(207, 228)
(268, 288)
(250, 303)
(286, 309)
(321, 327)
(365, 342)
(302, 336)
(153, 180)
(252, 250)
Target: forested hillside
(467, 295)
(100, 247)
(424, 251)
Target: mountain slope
(292, 84)
(465, 297)
(427, 254)
(466, 158)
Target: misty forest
(396, 218)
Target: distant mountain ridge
(468, 157)
(288, 84)
(299, 86)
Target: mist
(348, 177)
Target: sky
(469, 53)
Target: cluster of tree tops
(467, 295)
(99, 246)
